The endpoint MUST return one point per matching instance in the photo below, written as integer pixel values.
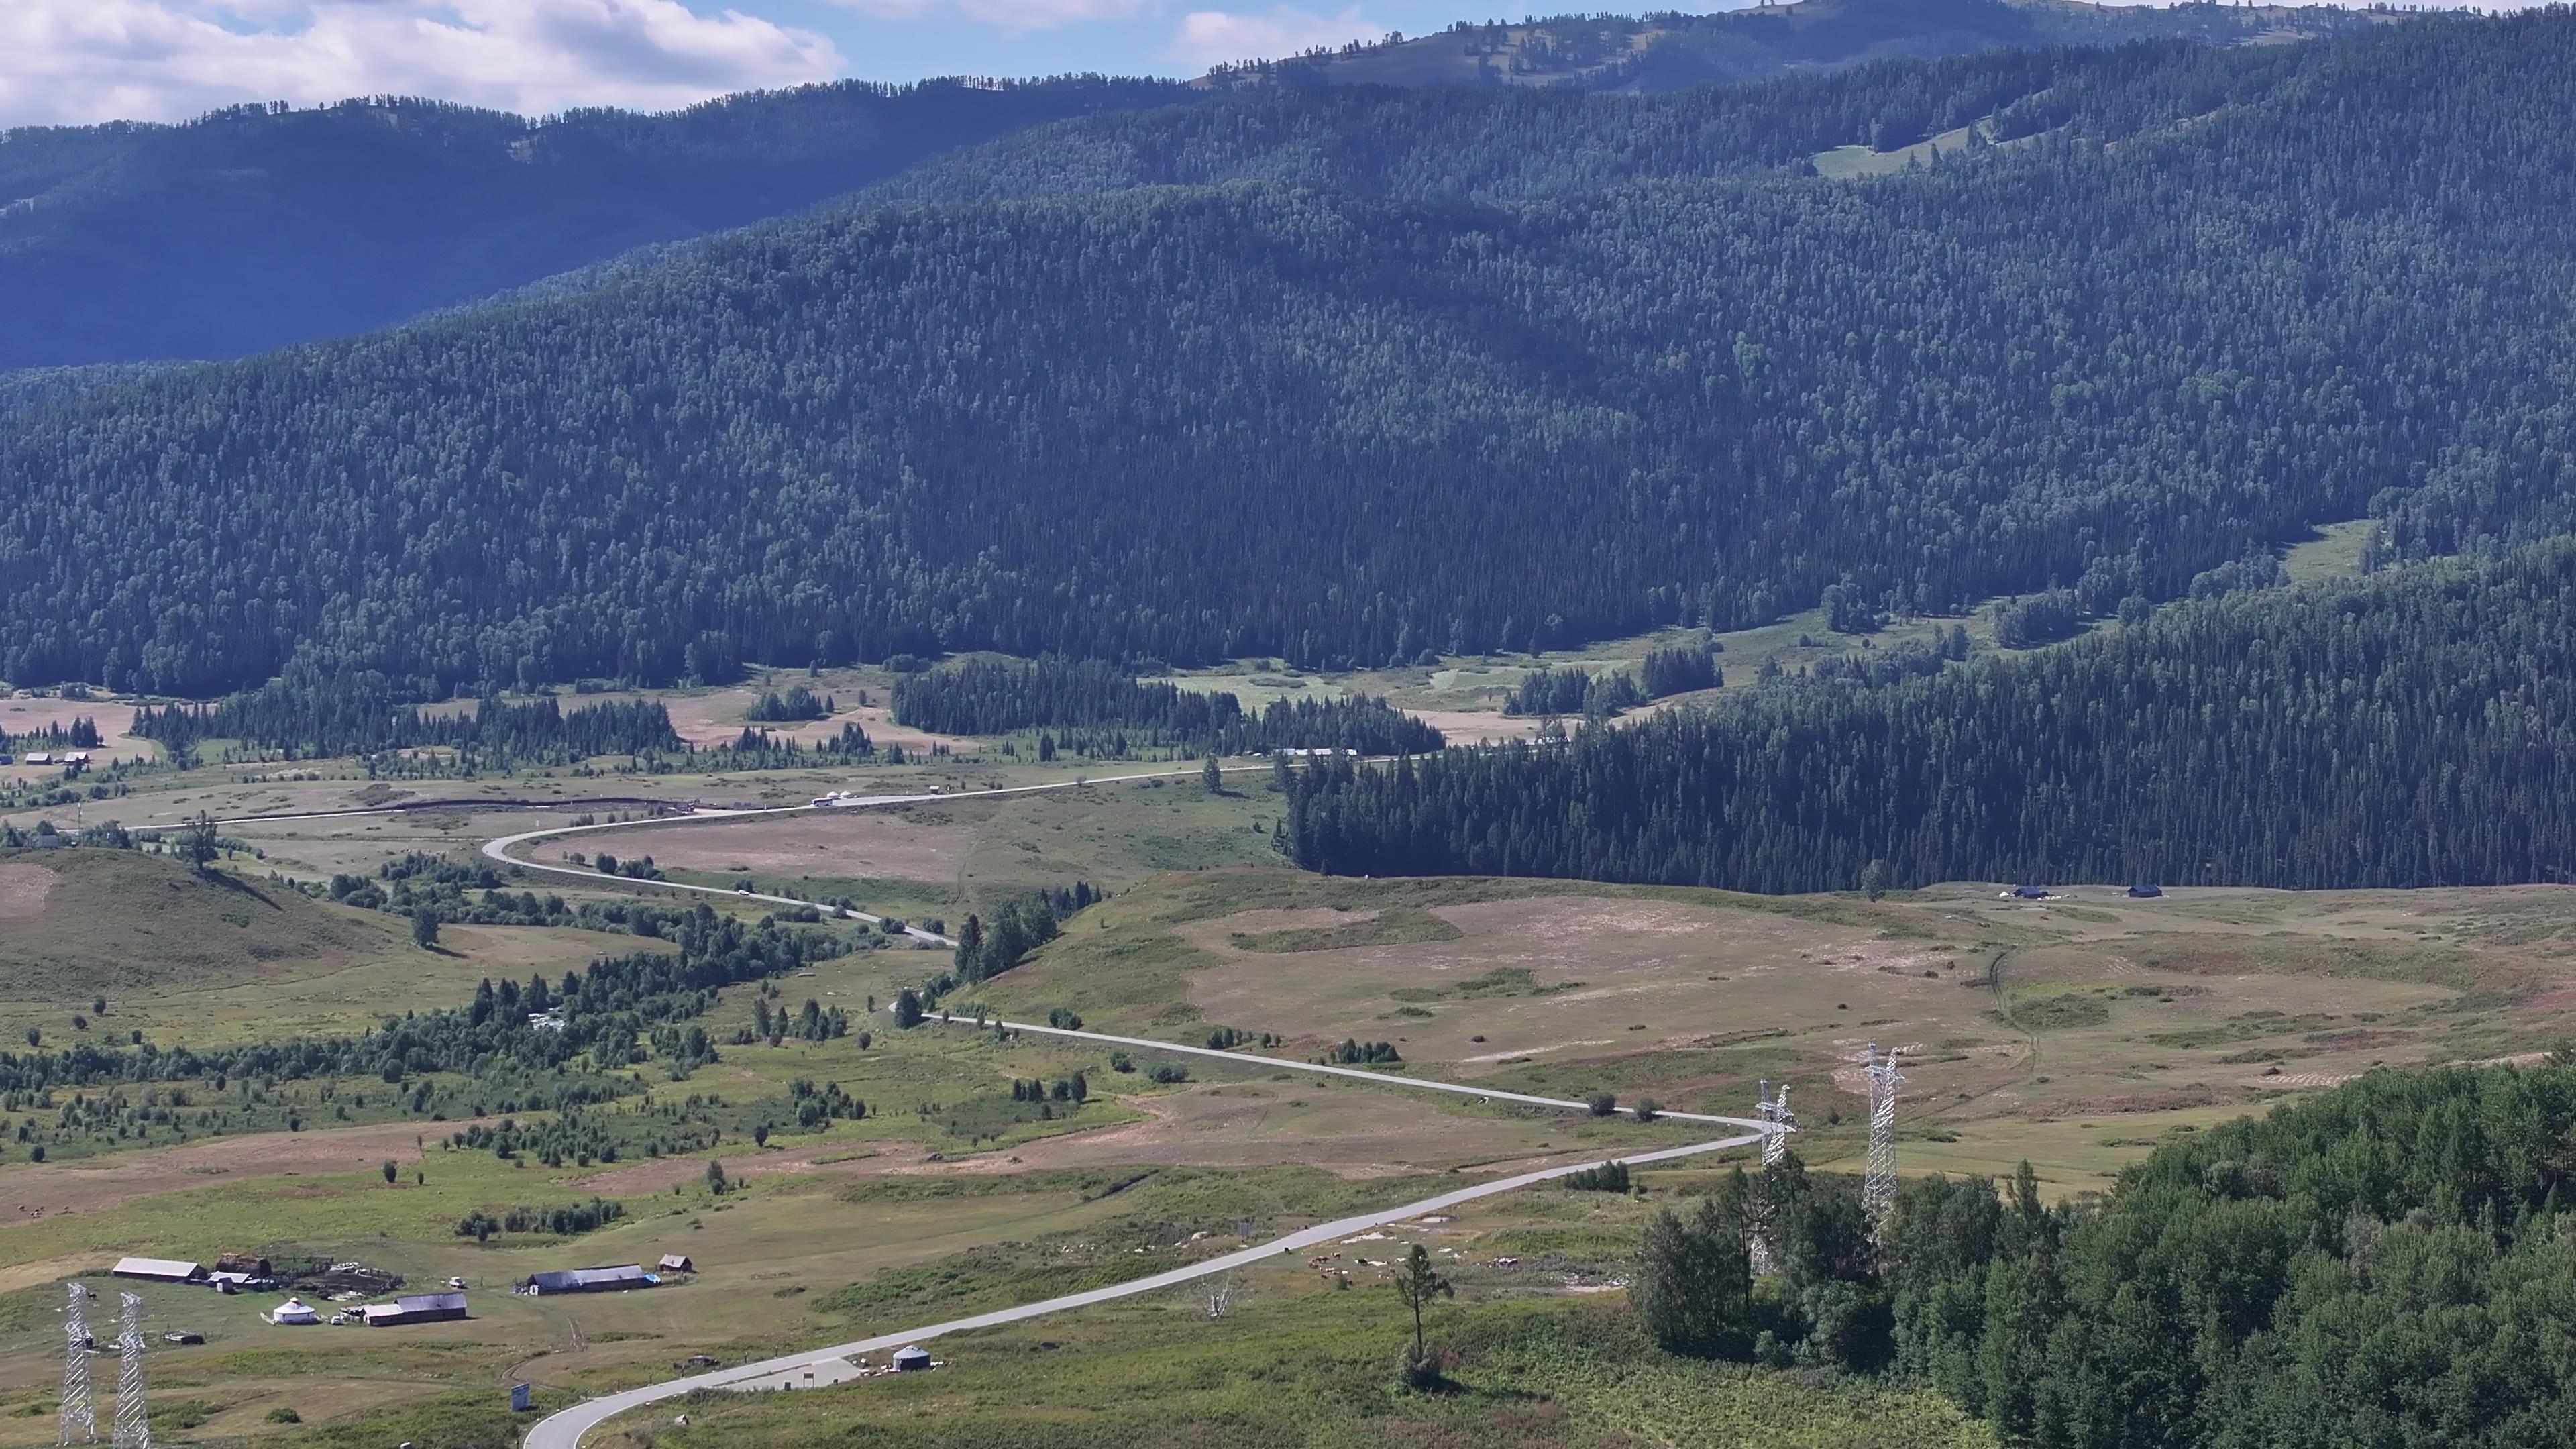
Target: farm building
(245, 1265)
(415, 1308)
(2145, 891)
(911, 1360)
(676, 1263)
(590, 1280)
(159, 1270)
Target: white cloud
(1215, 37)
(78, 61)
(1004, 15)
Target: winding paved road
(564, 1429)
(500, 849)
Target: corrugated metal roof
(429, 1302)
(155, 1268)
(628, 1275)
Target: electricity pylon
(1878, 1189)
(80, 1417)
(133, 1419)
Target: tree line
(1346, 376)
(604, 1013)
(2417, 728)
(2381, 1264)
(1096, 703)
(308, 714)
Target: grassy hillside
(223, 958)
(78, 922)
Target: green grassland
(225, 956)
(2077, 1032)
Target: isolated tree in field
(1603, 1104)
(716, 1177)
(391, 1172)
(198, 844)
(1873, 879)
(907, 1008)
(1417, 1283)
(424, 927)
(1212, 777)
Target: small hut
(911, 1360)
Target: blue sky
(84, 61)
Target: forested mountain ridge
(256, 227)
(1673, 51)
(2410, 729)
(1444, 370)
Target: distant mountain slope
(252, 228)
(1352, 375)
(1672, 51)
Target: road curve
(499, 850)
(564, 1429)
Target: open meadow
(953, 1171)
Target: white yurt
(293, 1311)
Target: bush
(284, 1415)
(1608, 1177)
(1603, 1104)
(1648, 1109)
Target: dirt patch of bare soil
(96, 1183)
(1469, 726)
(23, 889)
(886, 844)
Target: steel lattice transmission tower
(1774, 1108)
(1878, 1189)
(80, 1417)
(133, 1419)
(1775, 1146)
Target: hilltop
(257, 227)
(77, 922)
(1673, 51)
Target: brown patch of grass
(23, 888)
(103, 1182)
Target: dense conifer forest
(1102, 709)
(309, 714)
(2390, 1263)
(1346, 375)
(259, 226)
(2414, 729)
